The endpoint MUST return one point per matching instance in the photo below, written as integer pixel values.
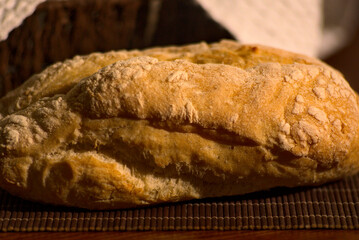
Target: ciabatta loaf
(131, 128)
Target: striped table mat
(334, 206)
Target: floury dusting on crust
(131, 128)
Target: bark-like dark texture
(58, 30)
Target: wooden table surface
(189, 235)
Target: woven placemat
(334, 205)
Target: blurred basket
(58, 30)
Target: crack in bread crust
(176, 123)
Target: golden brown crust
(62, 76)
(177, 123)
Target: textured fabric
(313, 27)
(13, 12)
(288, 24)
(334, 205)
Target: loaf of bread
(131, 128)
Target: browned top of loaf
(62, 76)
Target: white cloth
(288, 24)
(312, 27)
(13, 12)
